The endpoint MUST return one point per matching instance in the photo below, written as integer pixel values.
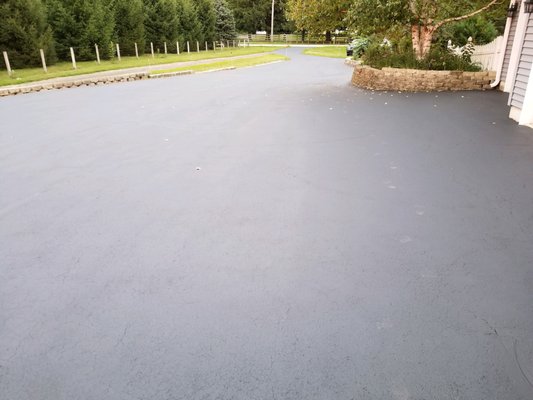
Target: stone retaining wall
(103, 80)
(414, 80)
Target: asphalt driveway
(265, 233)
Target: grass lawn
(86, 67)
(240, 63)
(330, 51)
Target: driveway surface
(265, 233)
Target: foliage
(479, 28)
(359, 46)
(255, 15)
(129, 25)
(421, 17)
(190, 29)
(161, 22)
(207, 18)
(317, 16)
(439, 58)
(24, 30)
(81, 24)
(225, 21)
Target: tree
(129, 25)
(207, 18)
(190, 29)
(254, 15)
(318, 16)
(82, 24)
(225, 21)
(24, 30)
(251, 15)
(161, 22)
(422, 17)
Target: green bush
(359, 46)
(439, 59)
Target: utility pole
(272, 23)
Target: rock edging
(104, 80)
(414, 80)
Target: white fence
(489, 55)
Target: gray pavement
(264, 233)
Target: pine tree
(161, 22)
(208, 18)
(225, 22)
(129, 25)
(190, 28)
(23, 31)
(81, 24)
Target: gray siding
(524, 67)
(507, 56)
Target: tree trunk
(328, 36)
(422, 36)
(303, 35)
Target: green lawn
(86, 67)
(330, 51)
(239, 63)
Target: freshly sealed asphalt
(265, 233)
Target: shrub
(440, 59)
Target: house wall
(509, 45)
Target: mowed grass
(65, 69)
(330, 51)
(239, 63)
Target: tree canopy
(318, 16)
(422, 18)
(255, 15)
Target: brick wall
(414, 80)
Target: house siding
(524, 67)
(509, 46)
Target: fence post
(136, 51)
(97, 53)
(152, 48)
(8, 65)
(73, 58)
(118, 52)
(43, 60)
(166, 53)
(188, 48)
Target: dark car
(349, 49)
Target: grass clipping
(226, 64)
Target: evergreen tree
(161, 22)
(23, 31)
(208, 18)
(190, 28)
(129, 25)
(81, 24)
(225, 22)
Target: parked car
(349, 49)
